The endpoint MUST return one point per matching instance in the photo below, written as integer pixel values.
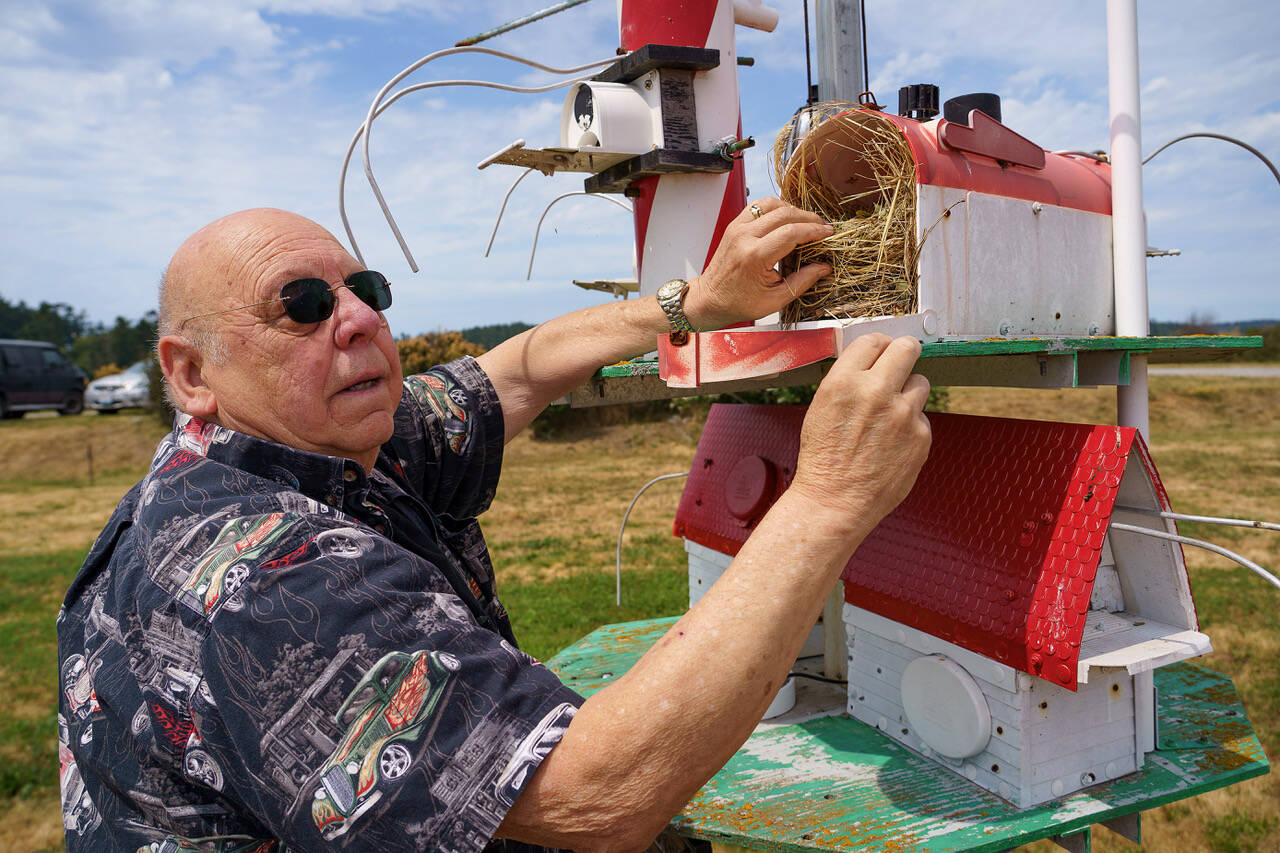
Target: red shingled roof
(995, 549)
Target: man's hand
(865, 435)
(741, 282)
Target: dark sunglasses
(311, 300)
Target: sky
(126, 126)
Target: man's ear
(182, 365)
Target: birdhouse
(954, 229)
(996, 623)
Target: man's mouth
(362, 386)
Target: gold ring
(756, 212)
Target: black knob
(957, 109)
(919, 101)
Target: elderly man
(288, 635)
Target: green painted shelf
(1017, 362)
(831, 783)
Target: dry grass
(856, 171)
(560, 503)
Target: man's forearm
(548, 361)
(741, 283)
(678, 715)
(638, 750)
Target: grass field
(553, 530)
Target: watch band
(671, 298)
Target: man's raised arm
(639, 749)
(740, 284)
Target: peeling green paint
(833, 783)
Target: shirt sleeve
(352, 700)
(449, 438)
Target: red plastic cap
(749, 490)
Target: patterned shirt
(268, 649)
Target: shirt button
(349, 475)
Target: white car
(120, 391)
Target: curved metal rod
(528, 273)
(431, 57)
(503, 209)
(346, 161)
(1204, 519)
(1246, 146)
(625, 516)
(1200, 543)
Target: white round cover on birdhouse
(945, 707)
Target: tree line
(94, 347)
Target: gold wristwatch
(671, 298)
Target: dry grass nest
(872, 206)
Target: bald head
(233, 355)
(211, 269)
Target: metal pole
(838, 24)
(1128, 226)
(519, 22)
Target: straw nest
(855, 170)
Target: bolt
(1006, 328)
(1036, 207)
(1094, 329)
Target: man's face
(330, 387)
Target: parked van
(34, 375)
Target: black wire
(810, 675)
(866, 74)
(1254, 151)
(808, 72)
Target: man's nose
(353, 319)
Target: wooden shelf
(828, 782)
(1018, 362)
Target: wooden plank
(1157, 346)
(832, 783)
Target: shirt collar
(331, 479)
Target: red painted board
(730, 354)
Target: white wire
(503, 209)
(374, 110)
(625, 516)
(1200, 543)
(528, 273)
(1275, 173)
(346, 161)
(1205, 519)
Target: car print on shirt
(448, 402)
(213, 844)
(78, 812)
(198, 436)
(387, 710)
(77, 686)
(536, 746)
(345, 542)
(226, 564)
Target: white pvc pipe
(1128, 226)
